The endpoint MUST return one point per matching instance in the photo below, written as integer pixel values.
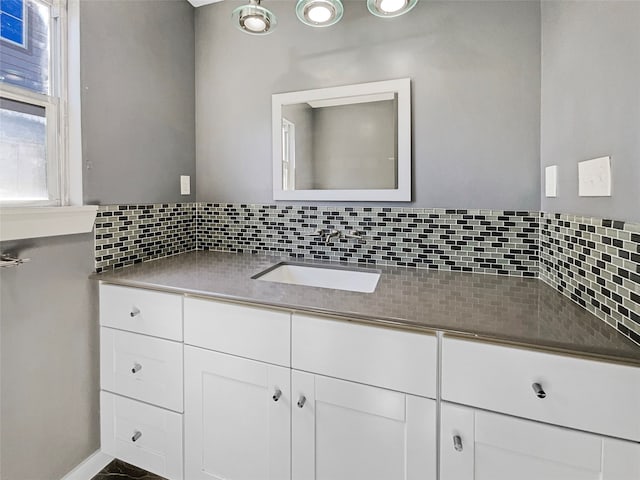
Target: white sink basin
(321, 276)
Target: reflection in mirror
(349, 145)
(343, 143)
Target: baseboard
(89, 467)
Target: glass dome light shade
(319, 13)
(254, 19)
(390, 8)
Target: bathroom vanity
(207, 373)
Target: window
(40, 143)
(288, 155)
(32, 103)
(12, 22)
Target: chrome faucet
(357, 234)
(318, 232)
(331, 234)
(328, 234)
(325, 233)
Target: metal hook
(10, 260)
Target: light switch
(594, 177)
(185, 185)
(551, 181)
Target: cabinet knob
(277, 395)
(136, 368)
(136, 436)
(540, 393)
(301, 401)
(135, 311)
(457, 443)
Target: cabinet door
(237, 425)
(479, 445)
(348, 431)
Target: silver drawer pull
(136, 436)
(136, 368)
(301, 401)
(457, 443)
(540, 393)
(135, 311)
(277, 395)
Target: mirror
(343, 143)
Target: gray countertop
(512, 310)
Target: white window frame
(64, 214)
(54, 104)
(52, 115)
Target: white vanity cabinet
(383, 357)
(237, 418)
(351, 408)
(481, 445)
(363, 399)
(237, 392)
(345, 430)
(570, 409)
(141, 376)
(203, 389)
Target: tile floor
(123, 471)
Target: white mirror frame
(402, 87)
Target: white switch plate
(551, 181)
(185, 185)
(594, 177)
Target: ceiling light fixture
(319, 13)
(390, 8)
(254, 18)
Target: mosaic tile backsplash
(594, 262)
(597, 264)
(481, 241)
(130, 234)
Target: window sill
(31, 222)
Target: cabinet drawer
(382, 357)
(256, 333)
(145, 368)
(157, 433)
(583, 394)
(141, 311)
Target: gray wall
(137, 66)
(138, 100)
(591, 101)
(48, 358)
(475, 68)
(354, 144)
